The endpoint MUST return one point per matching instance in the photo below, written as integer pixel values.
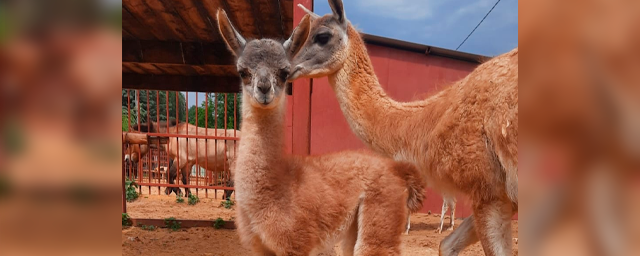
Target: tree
(215, 107)
(233, 111)
(157, 110)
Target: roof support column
(299, 104)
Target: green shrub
(150, 227)
(130, 190)
(218, 223)
(179, 199)
(227, 204)
(193, 199)
(126, 220)
(172, 223)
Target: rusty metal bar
(190, 136)
(187, 139)
(235, 115)
(225, 112)
(138, 106)
(142, 138)
(226, 121)
(129, 110)
(206, 141)
(124, 198)
(235, 129)
(148, 155)
(166, 95)
(196, 123)
(158, 122)
(129, 128)
(185, 186)
(179, 169)
(215, 159)
(140, 161)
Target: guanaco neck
(373, 116)
(261, 147)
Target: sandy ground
(422, 240)
(154, 206)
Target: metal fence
(202, 143)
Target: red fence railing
(202, 144)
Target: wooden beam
(268, 12)
(203, 22)
(126, 35)
(286, 10)
(147, 20)
(173, 19)
(178, 69)
(242, 16)
(228, 84)
(257, 13)
(134, 27)
(176, 52)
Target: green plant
(193, 199)
(126, 220)
(172, 223)
(179, 199)
(150, 227)
(227, 204)
(218, 223)
(130, 188)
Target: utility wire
(474, 29)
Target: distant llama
(296, 205)
(448, 203)
(216, 156)
(464, 139)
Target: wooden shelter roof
(175, 44)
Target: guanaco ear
(338, 11)
(312, 15)
(298, 37)
(231, 37)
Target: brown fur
(463, 139)
(135, 152)
(213, 155)
(294, 205)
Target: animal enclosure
(197, 141)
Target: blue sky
(437, 23)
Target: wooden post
(301, 99)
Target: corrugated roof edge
(426, 49)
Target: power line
(474, 29)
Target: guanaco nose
(264, 84)
(264, 88)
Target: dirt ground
(154, 206)
(422, 239)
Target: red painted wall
(298, 104)
(405, 76)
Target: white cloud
(397, 9)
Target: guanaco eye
(283, 74)
(323, 38)
(243, 73)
